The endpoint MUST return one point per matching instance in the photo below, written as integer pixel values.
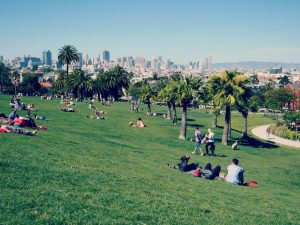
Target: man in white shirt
(235, 173)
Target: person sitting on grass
(12, 116)
(17, 130)
(184, 165)
(140, 123)
(235, 173)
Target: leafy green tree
(4, 76)
(30, 84)
(15, 78)
(68, 54)
(284, 80)
(254, 80)
(228, 86)
(278, 98)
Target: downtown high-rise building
(106, 56)
(80, 61)
(47, 57)
(1, 58)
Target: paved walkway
(261, 132)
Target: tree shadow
(255, 143)
(195, 125)
(179, 119)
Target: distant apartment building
(275, 70)
(47, 58)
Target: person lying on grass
(99, 115)
(208, 172)
(39, 117)
(69, 109)
(17, 130)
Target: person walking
(198, 135)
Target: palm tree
(68, 54)
(81, 82)
(187, 89)
(99, 85)
(15, 78)
(243, 104)
(61, 83)
(147, 93)
(228, 88)
(164, 96)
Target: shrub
(284, 132)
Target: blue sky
(183, 30)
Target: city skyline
(230, 31)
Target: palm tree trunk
(67, 69)
(149, 108)
(15, 89)
(215, 120)
(226, 125)
(183, 127)
(174, 114)
(245, 127)
(99, 96)
(169, 110)
(229, 128)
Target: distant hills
(255, 65)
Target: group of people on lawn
(235, 173)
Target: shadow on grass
(195, 125)
(179, 119)
(255, 143)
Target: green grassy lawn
(84, 171)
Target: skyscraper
(80, 62)
(106, 55)
(47, 57)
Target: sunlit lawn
(84, 171)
